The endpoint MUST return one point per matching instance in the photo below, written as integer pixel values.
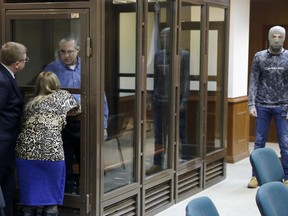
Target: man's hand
(253, 112)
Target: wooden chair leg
(120, 152)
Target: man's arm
(184, 79)
(4, 93)
(253, 86)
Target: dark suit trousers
(71, 145)
(7, 182)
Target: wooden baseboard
(236, 158)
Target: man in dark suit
(12, 59)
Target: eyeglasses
(25, 60)
(68, 52)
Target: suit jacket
(11, 105)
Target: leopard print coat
(40, 135)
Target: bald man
(268, 95)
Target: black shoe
(186, 157)
(49, 214)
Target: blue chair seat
(201, 206)
(267, 165)
(272, 199)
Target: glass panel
(158, 88)
(190, 38)
(216, 67)
(28, 1)
(118, 151)
(42, 37)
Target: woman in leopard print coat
(39, 149)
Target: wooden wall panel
(238, 130)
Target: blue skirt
(41, 182)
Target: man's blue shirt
(71, 78)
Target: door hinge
(88, 204)
(88, 47)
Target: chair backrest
(266, 165)
(201, 206)
(117, 124)
(272, 199)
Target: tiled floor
(231, 196)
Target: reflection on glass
(118, 154)
(215, 79)
(185, 146)
(33, 1)
(189, 88)
(59, 53)
(158, 90)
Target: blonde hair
(46, 83)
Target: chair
(2, 203)
(267, 165)
(272, 199)
(201, 206)
(117, 124)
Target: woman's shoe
(28, 212)
(51, 210)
